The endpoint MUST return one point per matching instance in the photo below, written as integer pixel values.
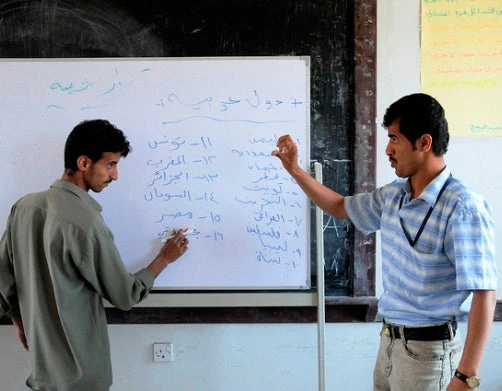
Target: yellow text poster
(462, 63)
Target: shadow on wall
(72, 28)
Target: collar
(79, 192)
(431, 191)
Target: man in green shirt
(58, 261)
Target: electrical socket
(163, 352)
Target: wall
(245, 357)
(280, 356)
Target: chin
(97, 189)
(399, 174)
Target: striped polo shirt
(430, 282)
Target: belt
(432, 333)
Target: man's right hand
(170, 252)
(287, 151)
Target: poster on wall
(461, 62)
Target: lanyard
(414, 241)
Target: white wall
(238, 357)
(270, 357)
(223, 357)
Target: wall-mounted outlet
(163, 352)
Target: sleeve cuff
(147, 277)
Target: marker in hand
(187, 231)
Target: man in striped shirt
(438, 262)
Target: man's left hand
(18, 324)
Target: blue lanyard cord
(413, 242)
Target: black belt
(432, 333)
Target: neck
(75, 178)
(420, 180)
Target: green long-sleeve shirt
(58, 261)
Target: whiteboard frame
(305, 59)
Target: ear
(424, 143)
(83, 162)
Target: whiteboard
(202, 130)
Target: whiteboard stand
(321, 318)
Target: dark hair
(420, 114)
(91, 138)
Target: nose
(388, 149)
(115, 174)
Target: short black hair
(92, 138)
(420, 114)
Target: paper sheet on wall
(461, 51)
